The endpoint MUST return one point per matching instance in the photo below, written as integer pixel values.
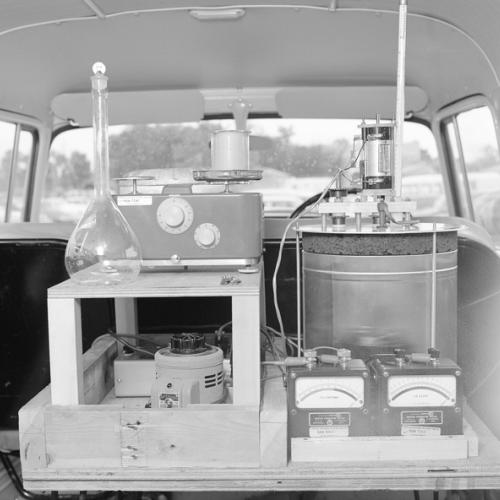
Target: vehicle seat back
(479, 328)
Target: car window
(482, 165)
(16, 154)
(297, 157)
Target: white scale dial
(174, 215)
(421, 391)
(329, 392)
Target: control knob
(207, 235)
(174, 215)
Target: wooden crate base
(116, 444)
(380, 448)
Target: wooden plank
(32, 432)
(344, 477)
(273, 422)
(171, 284)
(488, 445)
(378, 448)
(31, 416)
(65, 346)
(274, 402)
(98, 370)
(126, 315)
(82, 436)
(246, 350)
(108, 437)
(273, 444)
(472, 440)
(162, 438)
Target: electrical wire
(120, 337)
(307, 210)
(325, 347)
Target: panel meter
(418, 398)
(329, 401)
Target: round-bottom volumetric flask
(103, 250)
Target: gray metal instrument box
(196, 229)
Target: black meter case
(417, 399)
(329, 401)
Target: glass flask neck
(100, 129)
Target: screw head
(458, 409)
(385, 374)
(385, 411)
(293, 375)
(458, 373)
(293, 411)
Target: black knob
(433, 353)
(187, 343)
(399, 353)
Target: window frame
(22, 123)
(459, 191)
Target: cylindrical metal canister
(373, 292)
(230, 150)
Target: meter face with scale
(421, 391)
(326, 401)
(329, 392)
(418, 399)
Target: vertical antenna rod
(400, 100)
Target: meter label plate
(418, 430)
(329, 431)
(329, 419)
(129, 201)
(433, 417)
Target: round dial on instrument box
(174, 215)
(329, 392)
(421, 391)
(207, 235)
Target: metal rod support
(299, 289)
(357, 218)
(433, 288)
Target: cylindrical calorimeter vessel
(376, 291)
(377, 165)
